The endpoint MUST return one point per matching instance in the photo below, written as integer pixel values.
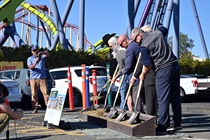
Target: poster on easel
(55, 106)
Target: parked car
(61, 80)
(15, 95)
(22, 77)
(194, 84)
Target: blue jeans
(122, 91)
(168, 90)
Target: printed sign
(6, 65)
(55, 106)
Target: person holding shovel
(149, 81)
(119, 52)
(132, 54)
(156, 52)
(111, 41)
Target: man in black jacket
(149, 82)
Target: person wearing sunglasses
(132, 54)
(149, 81)
(119, 53)
(36, 64)
(157, 55)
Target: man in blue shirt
(37, 76)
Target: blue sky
(110, 16)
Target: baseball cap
(33, 48)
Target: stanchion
(94, 86)
(84, 104)
(71, 96)
(87, 88)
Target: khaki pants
(35, 84)
(4, 121)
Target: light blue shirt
(38, 71)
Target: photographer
(6, 112)
(37, 76)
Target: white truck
(194, 84)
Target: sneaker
(161, 130)
(175, 127)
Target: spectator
(149, 81)
(6, 112)
(132, 54)
(37, 76)
(156, 52)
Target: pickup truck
(194, 84)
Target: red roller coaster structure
(21, 13)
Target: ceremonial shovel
(113, 110)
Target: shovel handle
(110, 87)
(104, 87)
(138, 93)
(118, 90)
(131, 84)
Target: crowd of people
(158, 69)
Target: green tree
(185, 47)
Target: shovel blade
(133, 117)
(112, 113)
(121, 116)
(94, 98)
(96, 106)
(107, 108)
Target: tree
(185, 47)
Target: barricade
(71, 96)
(84, 104)
(94, 85)
(87, 88)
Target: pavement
(196, 126)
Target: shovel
(110, 87)
(113, 110)
(122, 114)
(94, 97)
(136, 113)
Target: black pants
(139, 107)
(150, 99)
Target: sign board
(55, 106)
(6, 65)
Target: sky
(110, 16)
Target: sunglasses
(122, 41)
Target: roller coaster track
(40, 15)
(36, 11)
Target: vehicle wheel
(182, 94)
(77, 98)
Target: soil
(100, 113)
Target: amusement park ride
(156, 13)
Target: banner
(6, 65)
(55, 106)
